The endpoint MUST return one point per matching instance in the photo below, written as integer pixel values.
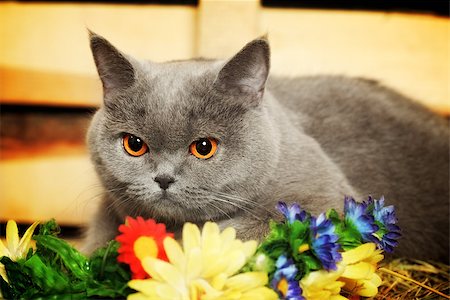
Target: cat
(201, 139)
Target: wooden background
(49, 87)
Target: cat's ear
(246, 73)
(115, 70)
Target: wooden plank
(45, 187)
(406, 51)
(42, 87)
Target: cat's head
(183, 140)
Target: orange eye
(134, 145)
(203, 148)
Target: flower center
(145, 246)
(197, 289)
(303, 248)
(283, 286)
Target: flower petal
(320, 279)
(194, 264)
(152, 289)
(165, 272)
(145, 286)
(174, 253)
(361, 270)
(236, 260)
(139, 296)
(249, 248)
(247, 281)
(191, 237)
(261, 293)
(3, 273)
(12, 238)
(3, 250)
(227, 236)
(210, 236)
(357, 254)
(24, 243)
(365, 288)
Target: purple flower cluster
(325, 242)
(321, 238)
(374, 222)
(292, 213)
(356, 214)
(385, 216)
(284, 282)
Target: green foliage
(286, 238)
(56, 270)
(108, 277)
(349, 236)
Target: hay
(414, 279)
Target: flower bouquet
(303, 257)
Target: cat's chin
(172, 208)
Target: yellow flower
(360, 265)
(322, 284)
(355, 274)
(15, 248)
(204, 268)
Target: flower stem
(414, 281)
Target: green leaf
(333, 215)
(46, 278)
(299, 231)
(19, 281)
(49, 228)
(109, 278)
(349, 236)
(72, 259)
(312, 263)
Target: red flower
(141, 238)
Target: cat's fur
(311, 140)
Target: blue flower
(356, 214)
(389, 233)
(292, 213)
(284, 282)
(325, 242)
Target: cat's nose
(164, 181)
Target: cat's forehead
(177, 79)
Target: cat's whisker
(239, 206)
(219, 209)
(245, 201)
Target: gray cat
(200, 140)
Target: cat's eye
(134, 145)
(203, 148)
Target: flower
(15, 248)
(292, 213)
(360, 265)
(325, 242)
(284, 282)
(205, 267)
(261, 262)
(356, 215)
(388, 232)
(355, 274)
(322, 284)
(141, 238)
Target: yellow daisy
(355, 274)
(322, 284)
(360, 266)
(204, 268)
(15, 248)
